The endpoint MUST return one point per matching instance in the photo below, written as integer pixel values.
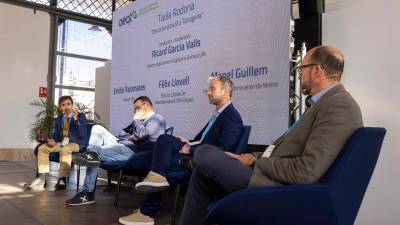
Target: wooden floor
(48, 207)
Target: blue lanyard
(294, 125)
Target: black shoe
(82, 198)
(88, 159)
(187, 163)
(61, 183)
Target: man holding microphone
(69, 136)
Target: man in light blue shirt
(222, 130)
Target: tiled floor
(48, 207)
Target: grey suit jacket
(304, 154)
(149, 129)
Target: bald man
(300, 156)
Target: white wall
(24, 52)
(102, 94)
(368, 33)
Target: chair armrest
(291, 204)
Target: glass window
(81, 48)
(97, 8)
(83, 39)
(80, 97)
(76, 72)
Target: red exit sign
(42, 92)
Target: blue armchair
(137, 165)
(334, 200)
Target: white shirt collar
(150, 115)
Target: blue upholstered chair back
(242, 142)
(334, 200)
(349, 175)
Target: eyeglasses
(138, 107)
(300, 68)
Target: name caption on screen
(174, 82)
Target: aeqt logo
(128, 19)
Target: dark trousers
(138, 146)
(216, 174)
(165, 159)
(166, 155)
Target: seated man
(146, 127)
(222, 130)
(69, 136)
(300, 156)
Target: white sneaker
(136, 218)
(153, 182)
(36, 184)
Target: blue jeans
(107, 147)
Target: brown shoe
(136, 218)
(153, 182)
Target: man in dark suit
(69, 136)
(222, 130)
(300, 156)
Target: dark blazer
(77, 130)
(308, 150)
(225, 131)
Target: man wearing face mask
(222, 130)
(140, 135)
(69, 136)
(146, 127)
